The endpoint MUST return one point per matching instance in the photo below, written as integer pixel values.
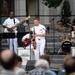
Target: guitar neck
(22, 21)
(19, 23)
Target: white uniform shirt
(39, 30)
(10, 22)
(27, 36)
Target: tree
(65, 13)
(52, 3)
(66, 9)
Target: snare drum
(66, 46)
(65, 38)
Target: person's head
(31, 32)
(46, 57)
(69, 66)
(7, 59)
(42, 64)
(18, 61)
(67, 57)
(11, 14)
(36, 21)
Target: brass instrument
(33, 40)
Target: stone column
(43, 10)
(20, 8)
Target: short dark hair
(10, 12)
(18, 59)
(46, 57)
(69, 66)
(36, 18)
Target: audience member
(17, 69)
(19, 61)
(69, 66)
(11, 63)
(7, 60)
(67, 58)
(47, 58)
(41, 68)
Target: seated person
(69, 66)
(47, 58)
(27, 41)
(41, 68)
(11, 63)
(18, 66)
(63, 71)
(7, 60)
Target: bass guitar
(12, 27)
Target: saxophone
(33, 40)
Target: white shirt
(27, 36)
(10, 22)
(39, 30)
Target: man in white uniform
(7, 23)
(40, 33)
(11, 21)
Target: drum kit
(68, 44)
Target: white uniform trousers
(13, 44)
(40, 45)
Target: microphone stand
(0, 43)
(30, 44)
(30, 36)
(53, 34)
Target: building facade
(34, 8)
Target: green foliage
(66, 8)
(52, 3)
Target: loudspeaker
(30, 65)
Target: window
(6, 7)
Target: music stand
(54, 52)
(7, 35)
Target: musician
(7, 23)
(11, 24)
(40, 33)
(72, 33)
(26, 39)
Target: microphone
(51, 19)
(44, 29)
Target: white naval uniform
(40, 41)
(12, 42)
(27, 36)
